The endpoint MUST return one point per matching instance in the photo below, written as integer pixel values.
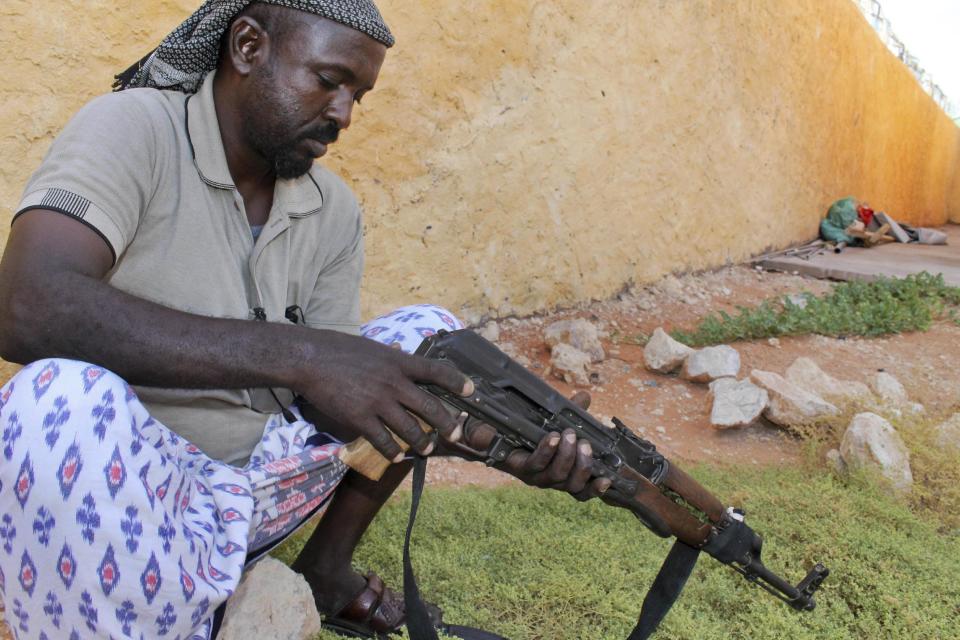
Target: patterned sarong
(111, 525)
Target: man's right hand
(367, 388)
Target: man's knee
(46, 389)
(407, 326)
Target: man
(179, 238)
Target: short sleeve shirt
(146, 170)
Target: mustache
(326, 134)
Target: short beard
(268, 127)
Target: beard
(270, 127)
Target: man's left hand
(559, 462)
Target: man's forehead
(319, 41)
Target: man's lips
(316, 147)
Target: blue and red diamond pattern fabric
(111, 525)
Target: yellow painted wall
(519, 155)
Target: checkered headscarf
(191, 50)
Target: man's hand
(559, 461)
(365, 387)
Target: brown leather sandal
(376, 612)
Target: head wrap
(192, 49)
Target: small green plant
(885, 306)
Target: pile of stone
(736, 403)
(804, 394)
(574, 348)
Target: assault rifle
(523, 408)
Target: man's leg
(326, 559)
(110, 524)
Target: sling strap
(666, 588)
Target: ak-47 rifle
(523, 408)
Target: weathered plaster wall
(519, 154)
(953, 197)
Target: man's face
(303, 93)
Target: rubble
(272, 601)
(570, 364)
(871, 441)
(790, 404)
(736, 403)
(579, 333)
(663, 354)
(711, 363)
(805, 373)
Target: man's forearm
(74, 316)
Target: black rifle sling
(666, 588)
(418, 620)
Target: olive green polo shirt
(146, 170)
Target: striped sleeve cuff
(76, 206)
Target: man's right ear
(248, 43)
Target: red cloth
(865, 213)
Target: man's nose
(340, 109)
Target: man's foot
(376, 611)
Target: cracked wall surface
(518, 155)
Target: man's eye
(329, 83)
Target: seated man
(179, 238)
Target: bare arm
(57, 305)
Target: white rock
(570, 364)
(948, 433)
(664, 354)
(490, 331)
(871, 441)
(736, 403)
(579, 333)
(272, 601)
(711, 363)
(790, 404)
(889, 389)
(805, 373)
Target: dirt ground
(674, 413)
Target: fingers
(597, 487)
(408, 429)
(578, 478)
(382, 440)
(442, 374)
(529, 464)
(433, 411)
(566, 456)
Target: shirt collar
(300, 196)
